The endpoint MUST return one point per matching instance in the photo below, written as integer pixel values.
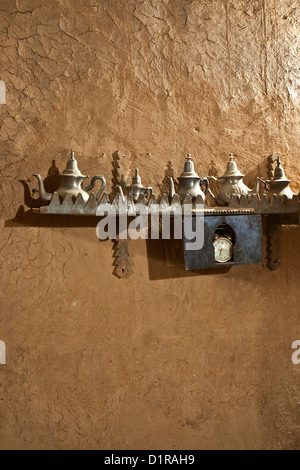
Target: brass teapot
(70, 182)
(189, 182)
(232, 184)
(279, 185)
(136, 188)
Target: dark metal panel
(248, 246)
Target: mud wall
(164, 359)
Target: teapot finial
(72, 166)
(137, 179)
(189, 169)
(232, 169)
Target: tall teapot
(136, 188)
(189, 182)
(70, 182)
(279, 185)
(232, 184)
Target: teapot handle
(265, 182)
(207, 190)
(91, 186)
(149, 190)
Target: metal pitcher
(189, 182)
(136, 188)
(232, 184)
(279, 185)
(70, 182)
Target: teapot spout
(121, 194)
(172, 188)
(256, 189)
(45, 197)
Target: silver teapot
(279, 185)
(232, 184)
(70, 182)
(136, 188)
(189, 182)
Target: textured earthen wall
(162, 359)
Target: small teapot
(70, 183)
(136, 188)
(232, 184)
(189, 182)
(279, 185)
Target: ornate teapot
(189, 182)
(279, 185)
(136, 188)
(70, 183)
(232, 184)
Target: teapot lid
(189, 170)
(72, 167)
(279, 174)
(232, 170)
(136, 180)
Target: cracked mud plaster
(164, 359)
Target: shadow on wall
(51, 182)
(29, 218)
(164, 263)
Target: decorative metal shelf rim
(243, 205)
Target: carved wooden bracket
(122, 259)
(274, 231)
